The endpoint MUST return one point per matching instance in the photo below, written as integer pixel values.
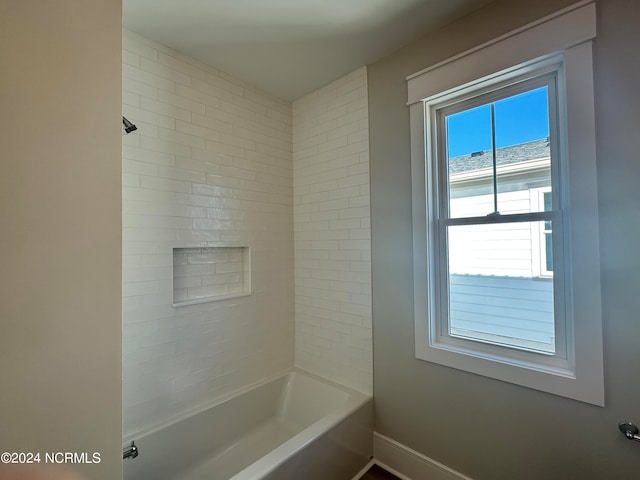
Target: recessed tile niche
(207, 274)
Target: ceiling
(289, 47)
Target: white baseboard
(407, 464)
(364, 470)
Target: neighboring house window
(541, 236)
(506, 266)
(547, 245)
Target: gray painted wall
(60, 231)
(485, 428)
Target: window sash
(506, 218)
(437, 177)
(440, 319)
(546, 75)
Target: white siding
(495, 249)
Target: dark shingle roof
(515, 153)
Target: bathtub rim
(152, 429)
(143, 432)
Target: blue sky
(519, 119)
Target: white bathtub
(296, 427)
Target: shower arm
(128, 126)
(131, 451)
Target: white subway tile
(133, 166)
(141, 45)
(164, 184)
(165, 222)
(130, 99)
(130, 140)
(223, 181)
(176, 63)
(173, 112)
(182, 138)
(224, 83)
(163, 146)
(236, 141)
(161, 71)
(181, 102)
(133, 86)
(148, 78)
(144, 155)
(130, 180)
(184, 163)
(211, 90)
(213, 124)
(359, 201)
(329, 148)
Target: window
(504, 209)
(488, 289)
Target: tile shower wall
(332, 232)
(203, 274)
(209, 166)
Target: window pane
(470, 162)
(522, 154)
(547, 208)
(548, 258)
(469, 132)
(495, 295)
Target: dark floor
(378, 473)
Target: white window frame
(562, 41)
